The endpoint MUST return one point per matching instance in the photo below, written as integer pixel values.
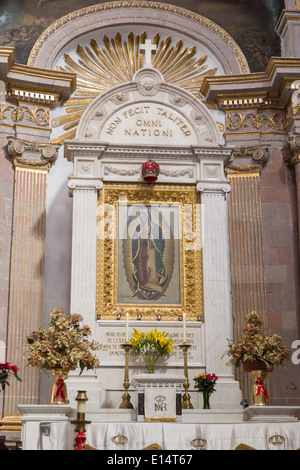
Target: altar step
(252, 413)
(188, 416)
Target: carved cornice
(39, 81)
(75, 148)
(254, 88)
(31, 154)
(247, 159)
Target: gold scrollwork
(189, 267)
(237, 121)
(39, 116)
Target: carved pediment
(148, 111)
(124, 60)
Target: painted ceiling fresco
(250, 22)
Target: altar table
(179, 436)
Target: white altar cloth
(178, 436)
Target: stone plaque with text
(111, 334)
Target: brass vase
(259, 392)
(258, 372)
(59, 394)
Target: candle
(126, 339)
(184, 329)
(81, 406)
(81, 401)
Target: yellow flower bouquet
(150, 346)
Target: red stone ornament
(150, 171)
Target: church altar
(88, 231)
(179, 436)
(50, 427)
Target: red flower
(14, 369)
(5, 370)
(4, 365)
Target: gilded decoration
(39, 115)
(149, 258)
(248, 159)
(36, 154)
(256, 120)
(100, 68)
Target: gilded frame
(187, 199)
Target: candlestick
(184, 329)
(126, 403)
(186, 399)
(80, 421)
(127, 326)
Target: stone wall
(281, 256)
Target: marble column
(84, 247)
(32, 162)
(217, 287)
(84, 187)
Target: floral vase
(258, 373)
(206, 404)
(59, 389)
(150, 365)
(150, 360)
(259, 392)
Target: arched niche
(98, 20)
(102, 45)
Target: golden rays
(99, 69)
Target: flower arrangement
(205, 384)
(257, 344)
(151, 345)
(5, 371)
(64, 345)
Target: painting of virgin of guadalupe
(148, 258)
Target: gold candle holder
(126, 403)
(80, 421)
(186, 399)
